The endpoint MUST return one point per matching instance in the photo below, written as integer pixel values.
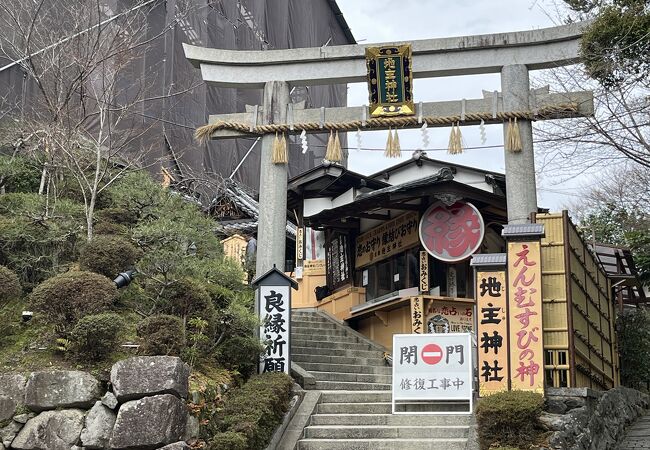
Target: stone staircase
(354, 411)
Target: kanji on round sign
(451, 233)
(431, 354)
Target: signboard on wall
(424, 272)
(433, 367)
(492, 334)
(525, 316)
(417, 315)
(300, 244)
(389, 238)
(451, 233)
(450, 317)
(390, 80)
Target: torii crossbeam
(510, 54)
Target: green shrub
(19, 174)
(188, 298)
(38, 242)
(96, 336)
(9, 285)
(241, 354)
(509, 419)
(66, 298)
(256, 409)
(633, 334)
(221, 296)
(228, 440)
(161, 335)
(104, 227)
(108, 255)
(117, 216)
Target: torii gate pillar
(272, 221)
(521, 191)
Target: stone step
(341, 345)
(316, 325)
(311, 336)
(382, 444)
(298, 357)
(317, 332)
(353, 408)
(337, 352)
(309, 317)
(350, 386)
(356, 397)
(347, 368)
(388, 419)
(382, 431)
(360, 377)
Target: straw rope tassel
(337, 155)
(275, 156)
(516, 138)
(396, 150)
(458, 139)
(330, 144)
(284, 151)
(455, 140)
(389, 144)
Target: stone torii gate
(510, 54)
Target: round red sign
(431, 354)
(451, 233)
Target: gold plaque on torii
(390, 80)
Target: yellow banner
(424, 272)
(492, 333)
(417, 316)
(525, 316)
(389, 238)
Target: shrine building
(415, 247)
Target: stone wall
(583, 419)
(144, 407)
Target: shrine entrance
(391, 265)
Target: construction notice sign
(433, 367)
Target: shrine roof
(400, 196)
(425, 159)
(327, 180)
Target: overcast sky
(374, 21)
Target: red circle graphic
(451, 233)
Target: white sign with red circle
(432, 367)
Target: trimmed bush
(188, 298)
(118, 216)
(240, 354)
(161, 335)
(228, 440)
(9, 285)
(509, 419)
(96, 336)
(66, 298)
(108, 255)
(256, 409)
(103, 228)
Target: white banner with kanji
(274, 311)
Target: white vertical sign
(274, 311)
(434, 367)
